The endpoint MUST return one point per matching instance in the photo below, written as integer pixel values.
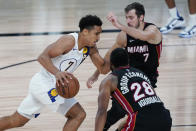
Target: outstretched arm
(97, 60)
(150, 34)
(105, 66)
(103, 100)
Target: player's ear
(141, 18)
(85, 31)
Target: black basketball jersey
(134, 91)
(144, 56)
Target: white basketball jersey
(69, 61)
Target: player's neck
(80, 42)
(141, 27)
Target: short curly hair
(89, 21)
(119, 57)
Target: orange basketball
(68, 90)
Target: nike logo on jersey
(131, 40)
(74, 49)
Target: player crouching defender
(133, 92)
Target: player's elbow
(41, 58)
(144, 38)
(148, 37)
(104, 69)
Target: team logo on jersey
(86, 51)
(52, 94)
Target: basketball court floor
(28, 26)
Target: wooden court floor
(176, 83)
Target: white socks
(192, 19)
(174, 12)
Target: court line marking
(29, 61)
(49, 33)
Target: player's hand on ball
(62, 76)
(68, 89)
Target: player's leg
(12, 121)
(113, 115)
(29, 108)
(170, 3)
(192, 6)
(45, 92)
(175, 20)
(75, 116)
(190, 29)
(72, 110)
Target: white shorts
(42, 93)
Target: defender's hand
(113, 19)
(91, 80)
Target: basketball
(68, 90)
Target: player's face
(132, 19)
(93, 35)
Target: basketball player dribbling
(58, 60)
(142, 41)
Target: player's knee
(76, 112)
(17, 120)
(81, 116)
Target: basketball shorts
(42, 93)
(115, 113)
(151, 119)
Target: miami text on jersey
(138, 49)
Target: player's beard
(138, 24)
